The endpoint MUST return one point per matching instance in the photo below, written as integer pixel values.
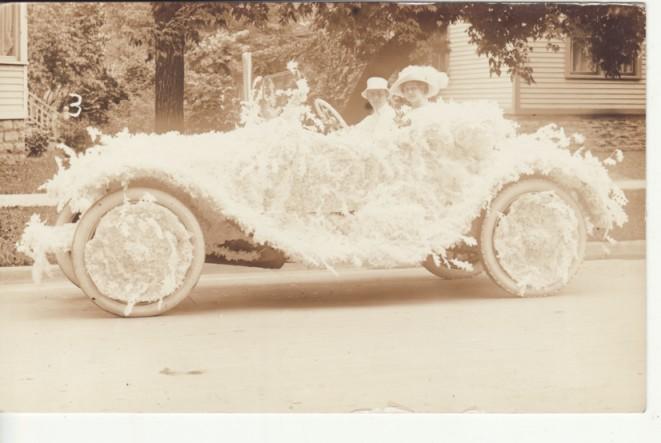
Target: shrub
(36, 142)
(75, 135)
(136, 114)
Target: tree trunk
(169, 74)
(391, 58)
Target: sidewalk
(634, 249)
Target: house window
(580, 65)
(581, 59)
(9, 36)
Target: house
(13, 75)
(566, 83)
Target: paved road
(307, 341)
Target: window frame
(21, 37)
(599, 75)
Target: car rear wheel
(450, 271)
(533, 237)
(64, 258)
(138, 252)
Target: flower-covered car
(459, 192)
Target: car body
(280, 188)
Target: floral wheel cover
(140, 252)
(537, 241)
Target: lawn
(12, 222)
(24, 175)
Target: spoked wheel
(450, 271)
(533, 237)
(64, 258)
(138, 252)
(332, 119)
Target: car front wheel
(533, 237)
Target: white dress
(424, 112)
(381, 120)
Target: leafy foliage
(107, 52)
(503, 32)
(36, 142)
(366, 27)
(75, 135)
(387, 37)
(127, 59)
(613, 32)
(66, 55)
(212, 100)
(213, 75)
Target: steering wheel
(329, 115)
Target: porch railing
(42, 115)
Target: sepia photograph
(328, 207)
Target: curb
(630, 249)
(634, 249)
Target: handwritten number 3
(76, 104)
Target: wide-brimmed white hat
(375, 83)
(435, 79)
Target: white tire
(86, 230)
(64, 258)
(500, 206)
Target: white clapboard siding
(553, 92)
(12, 92)
(469, 73)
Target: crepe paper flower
(609, 239)
(292, 66)
(578, 138)
(616, 157)
(94, 133)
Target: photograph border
(440, 427)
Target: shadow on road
(211, 296)
(339, 295)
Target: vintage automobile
(460, 193)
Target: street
(297, 340)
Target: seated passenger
(417, 85)
(383, 115)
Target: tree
(126, 56)
(169, 75)
(213, 68)
(386, 34)
(384, 37)
(178, 26)
(66, 55)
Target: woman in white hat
(416, 85)
(383, 115)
